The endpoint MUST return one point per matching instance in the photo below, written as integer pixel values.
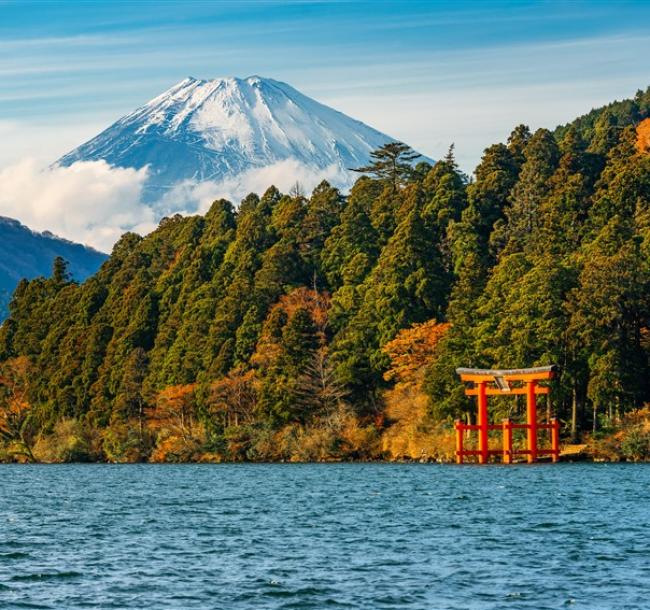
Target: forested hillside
(295, 327)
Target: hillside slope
(618, 114)
(27, 254)
(278, 331)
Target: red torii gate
(488, 382)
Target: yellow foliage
(175, 410)
(70, 441)
(411, 434)
(316, 303)
(233, 398)
(336, 437)
(643, 136)
(14, 405)
(180, 436)
(630, 440)
(125, 442)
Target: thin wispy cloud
(48, 42)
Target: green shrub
(635, 445)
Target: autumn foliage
(643, 136)
(411, 433)
(174, 418)
(410, 352)
(330, 325)
(15, 406)
(233, 398)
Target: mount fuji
(216, 130)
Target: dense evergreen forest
(295, 327)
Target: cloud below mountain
(90, 203)
(190, 197)
(94, 203)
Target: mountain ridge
(25, 253)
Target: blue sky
(429, 73)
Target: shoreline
(586, 459)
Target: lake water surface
(325, 536)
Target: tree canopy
(230, 333)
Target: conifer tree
(60, 273)
(562, 214)
(607, 308)
(130, 402)
(353, 238)
(488, 196)
(444, 188)
(606, 133)
(407, 285)
(445, 200)
(541, 157)
(322, 216)
(517, 142)
(391, 164)
(543, 257)
(292, 334)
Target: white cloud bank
(94, 203)
(90, 203)
(191, 197)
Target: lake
(325, 536)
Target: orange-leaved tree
(412, 433)
(643, 136)
(233, 398)
(15, 409)
(412, 350)
(175, 411)
(293, 339)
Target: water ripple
(368, 536)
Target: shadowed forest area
(329, 328)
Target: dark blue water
(325, 536)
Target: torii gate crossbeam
(496, 382)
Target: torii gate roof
(532, 374)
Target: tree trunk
(140, 426)
(574, 415)
(27, 450)
(582, 408)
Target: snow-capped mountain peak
(217, 129)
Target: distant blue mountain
(27, 254)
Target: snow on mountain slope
(215, 130)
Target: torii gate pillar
(531, 420)
(489, 382)
(483, 423)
